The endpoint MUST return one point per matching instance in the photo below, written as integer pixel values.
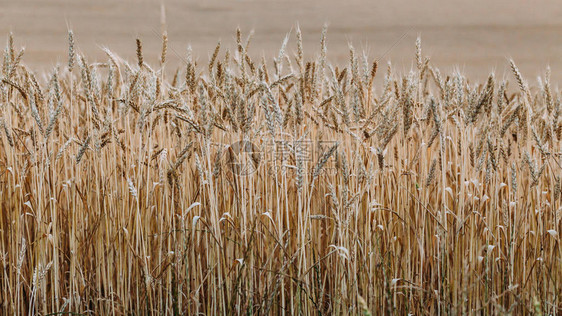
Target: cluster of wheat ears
(428, 194)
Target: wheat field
(280, 185)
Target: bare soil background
(477, 36)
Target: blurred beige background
(476, 35)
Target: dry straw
(444, 196)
